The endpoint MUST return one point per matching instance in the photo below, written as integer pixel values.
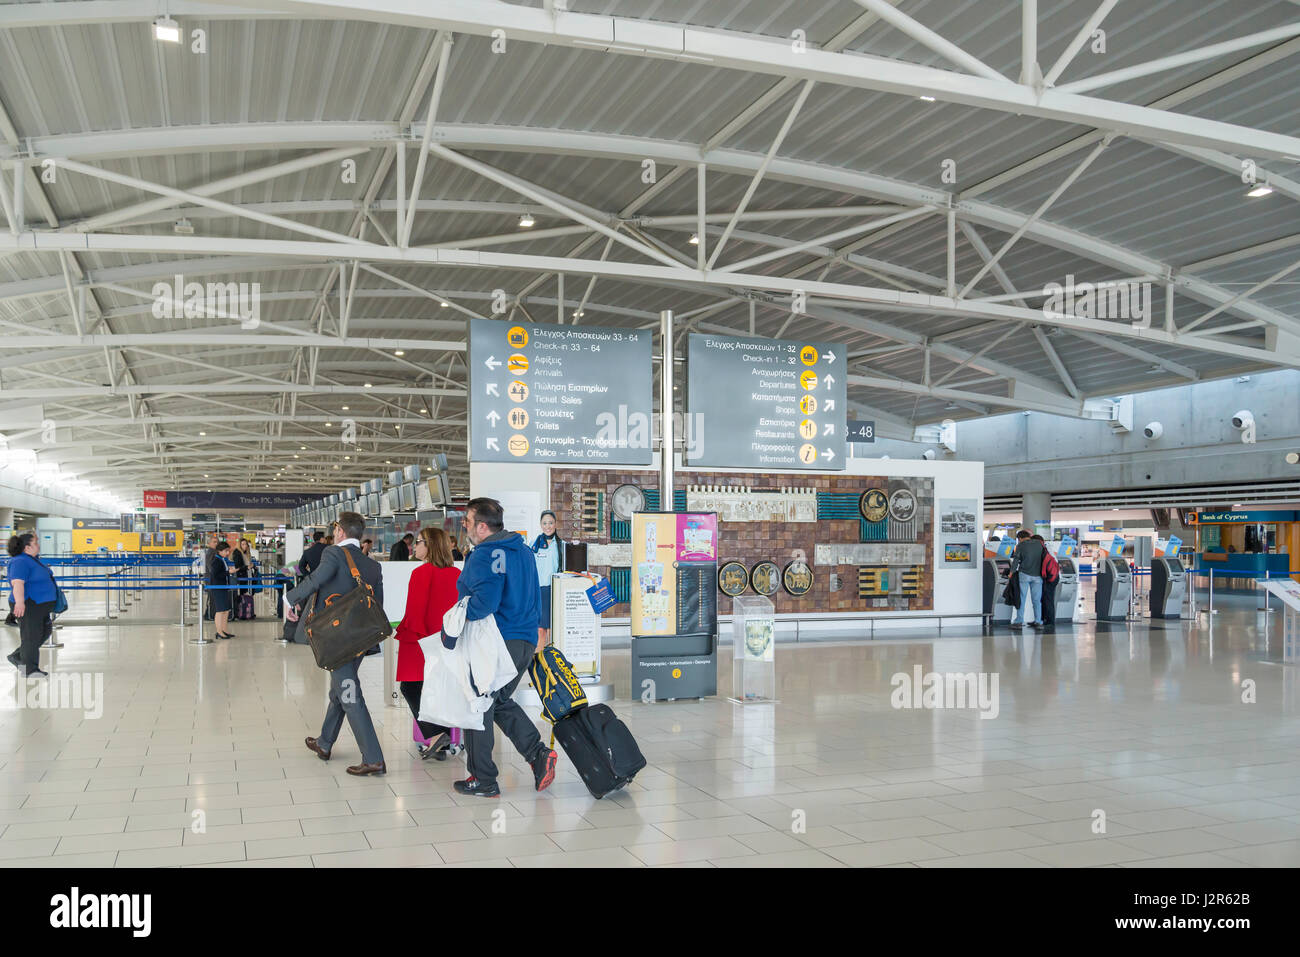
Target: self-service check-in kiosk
(1067, 591)
(1168, 587)
(997, 572)
(1114, 589)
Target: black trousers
(1049, 602)
(411, 692)
(509, 717)
(34, 627)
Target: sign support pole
(666, 411)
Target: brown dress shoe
(360, 769)
(320, 752)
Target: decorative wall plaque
(902, 505)
(765, 578)
(733, 579)
(874, 504)
(797, 578)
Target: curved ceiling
(884, 160)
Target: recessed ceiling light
(203, 433)
(928, 99)
(345, 408)
(400, 352)
(695, 239)
(167, 30)
(369, 386)
(1263, 189)
(303, 448)
(444, 305)
(526, 221)
(295, 456)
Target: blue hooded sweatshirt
(500, 578)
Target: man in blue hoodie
(500, 579)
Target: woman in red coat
(431, 592)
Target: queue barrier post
(200, 639)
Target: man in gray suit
(333, 577)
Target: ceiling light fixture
(526, 221)
(1261, 189)
(695, 239)
(183, 227)
(400, 352)
(166, 30)
(928, 99)
(369, 386)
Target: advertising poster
(697, 538)
(654, 584)
(1067, 548)
(1113, 548)
(957, 532)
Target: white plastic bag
(447, 698)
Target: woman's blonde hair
(438, 546)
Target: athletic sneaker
(544, 770)
(474, 786)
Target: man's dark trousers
(1049, 602)
(509, 717)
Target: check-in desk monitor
(1114, 589)
(1168, 587)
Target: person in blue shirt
(31, 585)
(549, 549)
(500, 579)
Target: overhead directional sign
(765, 403)
(553, 393)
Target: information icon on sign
(518, 391)
(807, 454)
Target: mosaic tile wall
(752, 542)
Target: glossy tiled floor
(1144, 723)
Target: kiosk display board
(674, 609)
(559, 394)
(765, 403)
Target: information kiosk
(1114, 589)
(1168, 587)
(1067, 592)
(997, 572)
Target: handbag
(60, 601)
(347, 626)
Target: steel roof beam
(731, 49)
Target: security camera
(1153, 430)
(928, 455)
(1245, 422)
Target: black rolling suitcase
(601, 748)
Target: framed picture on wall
(958, 553)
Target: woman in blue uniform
(549, 549)
(219, 574)
(33, 591)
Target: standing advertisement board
(674, 611)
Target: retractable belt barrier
(130, 576)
